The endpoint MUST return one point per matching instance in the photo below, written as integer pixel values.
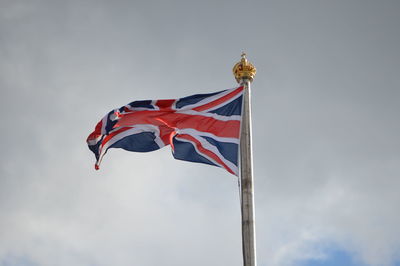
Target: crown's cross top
(244, 70)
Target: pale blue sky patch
(333, 257)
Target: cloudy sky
(326, 106)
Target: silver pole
(246, 182)
(244, 73)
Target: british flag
(202, 128)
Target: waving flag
(200, 128)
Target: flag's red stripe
(165, 105)
(166, 133)
(97, 131)
(205, 151)
(228, 129)
(219, 100)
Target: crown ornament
(244, 70)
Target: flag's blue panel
(142, 104)
(141, 142)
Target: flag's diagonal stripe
(207, 145)
(210, 99)
(214, 107)
(205, 150)
(220, 101)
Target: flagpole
(244, 73)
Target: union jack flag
(201, 128)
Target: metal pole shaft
(246, 181)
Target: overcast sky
(326, 128)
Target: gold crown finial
(244, 70)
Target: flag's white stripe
(135, 130)
(215, 116)
(92, 142)
(103, 124)
(153, 103)
(224, 103)
(174, 105)
(196, 133)
(208, 99)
